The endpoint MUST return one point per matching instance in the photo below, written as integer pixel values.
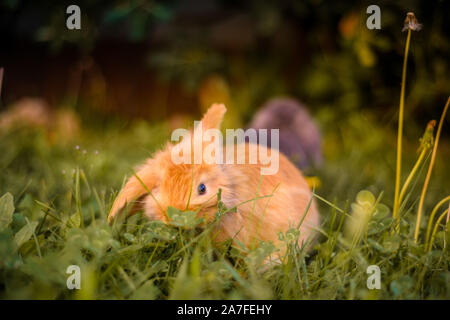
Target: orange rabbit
(261, 219)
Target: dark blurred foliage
(148, 58)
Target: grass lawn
(56, 193)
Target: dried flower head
(427, 140)
(411, 22)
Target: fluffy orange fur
(261, 219)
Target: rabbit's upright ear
(134, 189)
(212, 119)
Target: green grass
(60, 195)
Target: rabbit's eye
(201, 189)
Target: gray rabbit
(300, 139)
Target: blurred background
(136, 69)
(153, 59)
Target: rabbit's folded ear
(133, 189)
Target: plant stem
(430, 222)
(430, 169)
(433, 235)
(412, 174)
(400, 129)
